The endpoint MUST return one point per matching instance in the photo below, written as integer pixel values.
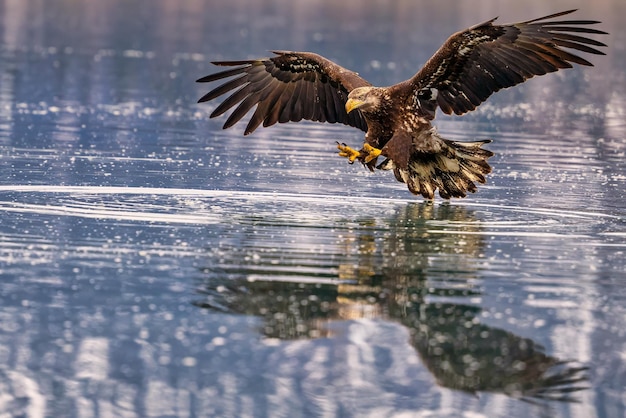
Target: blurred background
(153, 264)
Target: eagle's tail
(453, 169)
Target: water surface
(152, 264)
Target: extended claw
(350, 153)
(372, 153)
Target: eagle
(470, 66)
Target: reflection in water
(411, 268)
(131, 187)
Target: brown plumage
(469, 67)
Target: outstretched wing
(288, 87)
(475, 63)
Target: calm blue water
(152, 264)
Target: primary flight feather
(469, 67)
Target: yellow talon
(350, 153)
(372, 153)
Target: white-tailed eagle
(464, 72)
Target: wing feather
(296, 103)
(273, 114)
(269, 96)
(577, 39)
(317, 108)
(231, 101)
(307, 100)
(475, 63)
(290, 86)
(240, 111)
(285, 104)
(225, 74)
(329, 105)
(224, 88)
(528, 67)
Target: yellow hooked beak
(352, 104)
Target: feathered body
(464, 72)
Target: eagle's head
(366, 99)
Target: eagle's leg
(371, 153)
(367, 155)
(350, 153)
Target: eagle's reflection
(418, 268)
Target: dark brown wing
(288, 87)
(485, 58)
